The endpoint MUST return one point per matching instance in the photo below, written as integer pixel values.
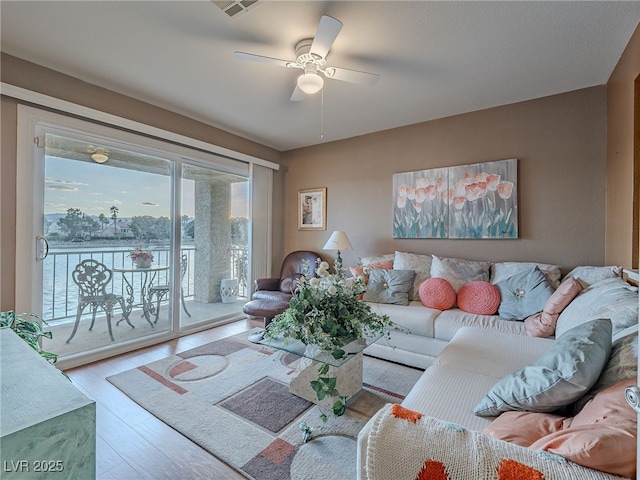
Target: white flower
(332, 290)
(324, 266)
(314, 282)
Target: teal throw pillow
(561, 375)
(523, 294)
(389, 286)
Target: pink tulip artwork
(465, 202)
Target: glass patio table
(348, 369)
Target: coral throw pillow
(360, 269)
(601, 436)
(543, 324)
(481, 298)
(437, 293)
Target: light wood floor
(131, 443)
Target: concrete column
(212, 238)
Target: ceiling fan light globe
(310, 83)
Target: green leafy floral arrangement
(27, 326)
(326, 310)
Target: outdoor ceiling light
(100, 156)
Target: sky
(95, 188)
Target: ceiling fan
(311, 57)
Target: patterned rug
(232, 398)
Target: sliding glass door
(101, 203)
(107, 200)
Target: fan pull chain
(322, 114)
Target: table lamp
(338, 241)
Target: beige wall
(620, 157)
(560, 142)
(39, 79)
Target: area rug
(232, 398)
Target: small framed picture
(312, 209)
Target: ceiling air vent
(234, 7)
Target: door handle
(632, 394)
(41, 240)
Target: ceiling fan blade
(297, 95)
(328, 30)
(352, 76)
(259, 58)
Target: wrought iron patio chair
(92, 279)
(161, 291)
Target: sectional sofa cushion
(389, 286)
(458, 271)
(437, 293)
(612, 298)
(523, 294)
(377, 259)
(491, 353)
(560, 376)
(414, 318)
(543, 324)
(503, 270)
(450, 321)
(421, 264)
(591, 274)
(479, 297)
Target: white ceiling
(435, 59)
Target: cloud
(150, 204)
(55, 205)
(61, 188)
(63, 182)
(61, 185)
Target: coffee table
(348, 370)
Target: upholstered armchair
(272, 295)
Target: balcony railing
(60, 292)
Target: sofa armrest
(267, 284)
(404, 445)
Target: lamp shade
(310, 82)
(338, 241)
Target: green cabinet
(47, 426)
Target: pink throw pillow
(601, 436)
(479, 297)
(543, 324)
(359, 270)
(524, 428)
(437, 293)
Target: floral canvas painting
(421, 208)
(468, 201)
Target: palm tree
(114, 216)
(103, 220)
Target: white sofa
(465, 355)
(429, 331)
